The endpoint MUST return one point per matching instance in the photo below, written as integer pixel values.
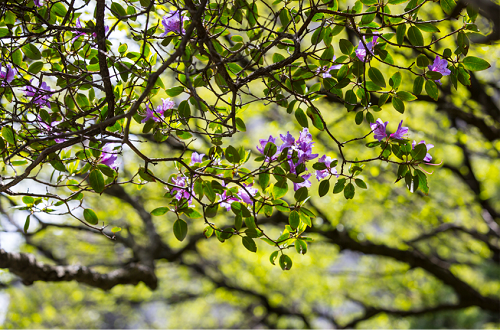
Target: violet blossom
(196, 158)
(379, 129)
(226, 201)
(361, 51)
(441, 66)
(109, 156)
(172, 22)
(326, 70)
(181, 189)
(306, 183)
(166, 105)
(429, 146)
(7, 76)
(38, 3)
(245, 194)
(78, 33)
(262, 147)
(48, 127)
(321, 174)
(40, 95)
(149, 114)
(400, 133)
(304, 147)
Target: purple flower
(149, 114)
(429, 146)
(304, 147)
(166, 105)
(109, 156)
(48, 127)
(245, 196)
(40, 95)
(172, 22)
(106, 29)
(306, 183)
(78, 33)
(226, 201)
(378, 129)
(441, 66)
(400, 133)
(321, 174)
(8, 75)
(262, 147)
(181, 189)
(326, 70)
(38, 3)
(361, 51)
(288, 140)
(196, 158)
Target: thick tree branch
(30, 270)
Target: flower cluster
(379, 130)
(40, 95)
(109, 157)
(7, 76)
(299, 152)
(160, 110)
(361, 52)
(172, 22)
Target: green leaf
(400, 33)
(369, 2)
(377, 77)
(273, 257)
(59, 9)
(82, 100)
(395, 80)
(346, 46)
(160, 211)
(301, 117)
(17, 57)
(8, 135)
(96, 181)
(249, 243)
(285, 262)
(280, 189)
(180, 229)
(433, 75)
(28, 200)
(415, 36)
(349, 191)
(300, 246)
(422, 181)
(35, 67)
(427, 27)
(294, 219)
(360, 183)
(398, 104)
(264, 180)
(301, 194)
(406, 96)
(27, 223)
(232, 155)
(431, 89)
(419, 152)
(475, 63)
(339, 186)
(90, 216)
(31, 51)
(277, 57)
(146, 175)
(208, 231)
(174, 91)
(184, 110)
(240, 125)
(324, 187)
(418, 84)
(117, 10)
(448, 6)
(422, 61)
(359, 118)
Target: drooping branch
(30, 270)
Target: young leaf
(180, 229)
